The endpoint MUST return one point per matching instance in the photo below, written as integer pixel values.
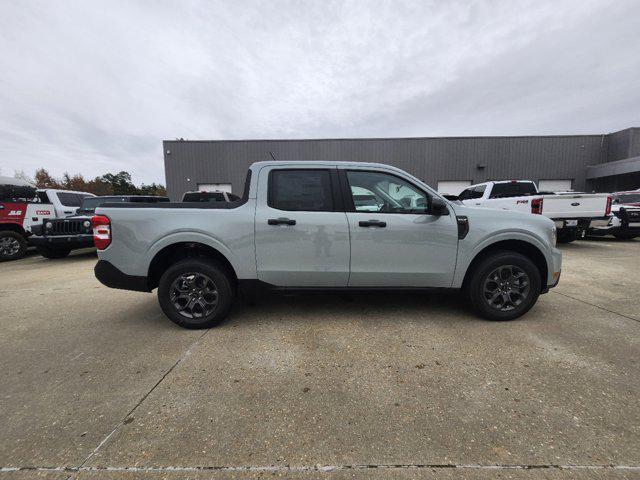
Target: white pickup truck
(573, 213)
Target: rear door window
(300, 190)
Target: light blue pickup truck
(324, 226)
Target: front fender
(469, 249)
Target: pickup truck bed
(584, 205)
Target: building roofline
(384, 138)
(617, 167)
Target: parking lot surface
(97, 383)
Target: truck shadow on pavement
(366, 307)
(292, 308)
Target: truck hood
(524, 220)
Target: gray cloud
(95, 86)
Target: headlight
(48, 225)
(554, 236)
(87, 224)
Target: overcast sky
(94, 87)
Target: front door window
(385, 193)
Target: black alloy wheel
(506, 287)
(194, 295)
(503, 285)
(196, 292)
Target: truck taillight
(101, 231)
(607, 211)
(536, 206)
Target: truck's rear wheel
(195, 293)
(503, 286)
(12, 245)
(54, 252)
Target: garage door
(554, 185)
(452, 187)
(214, 187)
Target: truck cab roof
(324, 163)
(499, 182)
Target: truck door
(301, 230)
(395, 241)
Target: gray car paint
(414, 250)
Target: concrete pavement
(97, 383)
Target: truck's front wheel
(12, 245)
(503, 286)
(195, 293)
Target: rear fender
(192, 237)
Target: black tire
(54, 252)
(171, 294)
(625, 236)
(479, 296)
(12, 245)
(567, 236)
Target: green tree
(153, 189)
(121, 183)
(108, 184)
(99, 187)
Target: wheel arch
(523, 247)
(13, 227)
(175, 252)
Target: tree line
(108, 184)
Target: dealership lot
(97, 383)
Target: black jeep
(56, 237)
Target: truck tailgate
(575, 206)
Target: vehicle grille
(67, 227)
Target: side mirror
(438, 207)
